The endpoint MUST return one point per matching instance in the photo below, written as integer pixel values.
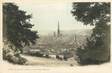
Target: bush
(12, 57)
(38, 54)
(86, 57)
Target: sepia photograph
(56, 34)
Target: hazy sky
(46, 16)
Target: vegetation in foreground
(17, 33)
(97, 48)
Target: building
(58, 32)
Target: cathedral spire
(58, 30)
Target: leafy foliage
(97, 49)
(17, 33)
(17, 26)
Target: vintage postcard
(47, 36)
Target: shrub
(12, 57)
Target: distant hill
(69, 32)
(78, 32)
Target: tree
(17, 26)
(17, 32)
(97, 49)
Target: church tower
(58, 30)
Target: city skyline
(45, 16)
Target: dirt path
(48, 61)
(62, 68)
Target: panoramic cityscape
(56, 34)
